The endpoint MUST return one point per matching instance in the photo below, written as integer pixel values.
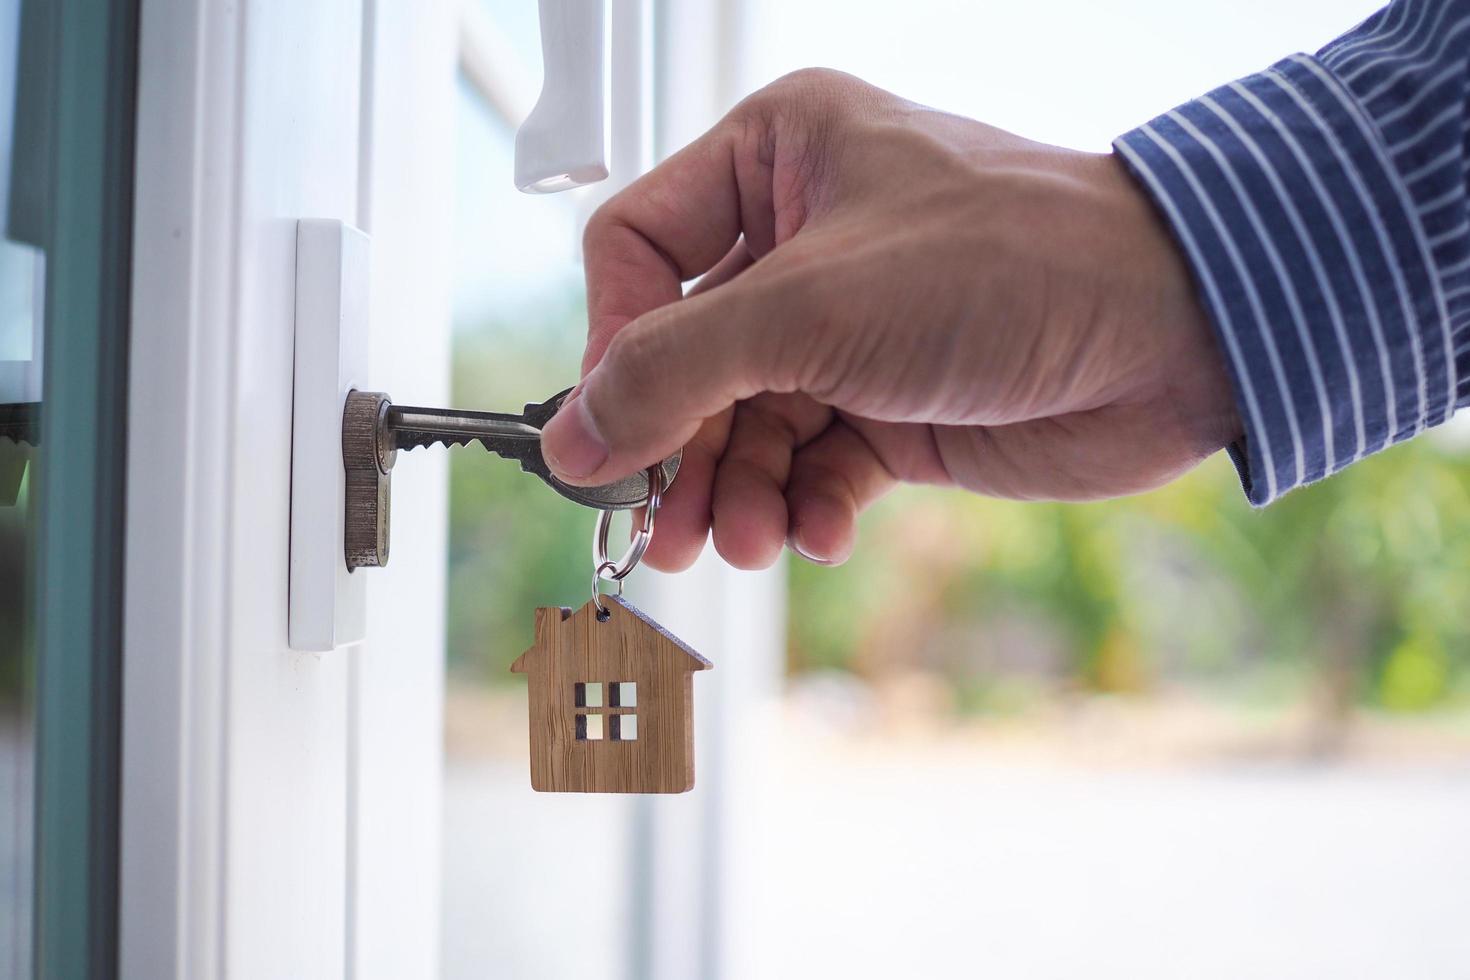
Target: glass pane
(1079, 714)
(17, 723)
(66, 83)
(519, 323)
(20, 384)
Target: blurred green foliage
(1355, 586)
(513, 544)
(1353, 590)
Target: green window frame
(80, 72)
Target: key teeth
(424, 440)
(408, 440)
(526, 466)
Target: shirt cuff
(1312, 265)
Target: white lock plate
(328, 602)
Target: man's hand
(889, 294)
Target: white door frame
(171, 874)
(280, 810)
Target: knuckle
(817, 83)
(805, 97)
(805, 123)
(599, 226)
(821, 102)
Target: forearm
(1322, 205)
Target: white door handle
(563, 142)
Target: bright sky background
(1072, 72)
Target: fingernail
(795, 544)
(579, 447)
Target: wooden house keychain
(612, 692)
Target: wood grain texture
(573, 648)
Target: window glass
(1021, 714)
(63, 344)
(21, 319)
(1030, 714)
(17, 718)
(514, 545)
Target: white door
(280, 809)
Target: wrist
(1182, 352)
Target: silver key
(516, 437)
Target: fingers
(667, 373)
(673, 224)
(833, 480)
(748, 498)
(907, 450)
(789, 473)
(759, 173)
(1107, 452)
(736, 261)
(683, 520)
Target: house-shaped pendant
(612, 702)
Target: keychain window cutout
(623, 728)
(621, 694)
(589, 728)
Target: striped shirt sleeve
(1323, 208)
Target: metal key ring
(597, 592)
(641, 537)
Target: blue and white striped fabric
(1323, 207)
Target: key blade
(415, 427)
(516, 437)
(511, 436)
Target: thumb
(661, 377)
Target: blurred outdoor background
(1151, 738)
(1316, 626)
(1163, 736)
